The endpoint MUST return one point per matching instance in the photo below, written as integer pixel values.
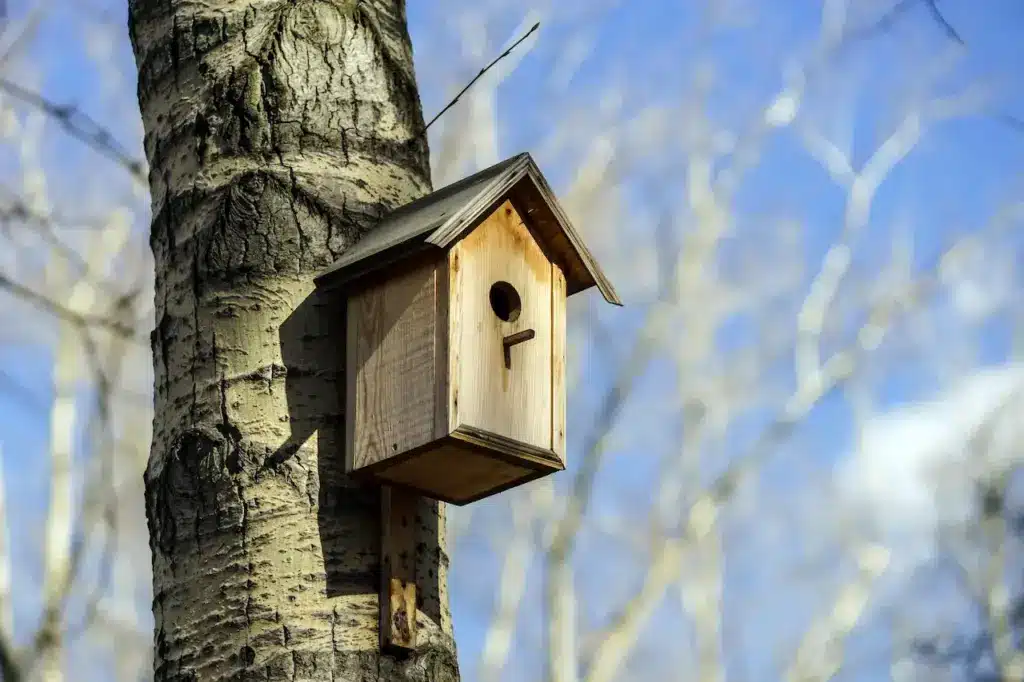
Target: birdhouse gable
(501, 345)
(442, 218)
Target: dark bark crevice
(261, 225)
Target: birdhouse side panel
(392, 373)
(501, 326)
(558, 360)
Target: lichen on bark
(277, 132)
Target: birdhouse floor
(465, 466)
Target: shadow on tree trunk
(348, 512)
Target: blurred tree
(978, 554)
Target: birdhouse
(455, 336)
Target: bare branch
(940, 19)
(668, 555)
(860, 196)
(704, 598)
(57, 543)
(6, 608)
(561, 598)
(81, 127)
(28, 29)
(46, 227)
(625, 628)
(478, 77)
(820, 656)
(63, 313)
(889, 19)
(511, 585)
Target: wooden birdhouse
(455, 336)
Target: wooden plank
(351, 381)
(398, 587)
(390, 368)
(558, 360)
(508, 450)
(455, 325)
(514, 402)
(455, 473)
(442, 349)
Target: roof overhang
(440, 219)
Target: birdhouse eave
(443, 217)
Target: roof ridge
(438, 219)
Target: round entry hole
(505, 301)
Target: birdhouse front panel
(501, 332)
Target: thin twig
(30, 25)
(478, 77)
(940, 19)
(60, 311)
(887, 20)
(79, 126)
(87, 130)
(45, 227)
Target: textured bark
(277, 132)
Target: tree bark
(277, 132)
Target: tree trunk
(277, 132)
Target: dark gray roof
(440, 218)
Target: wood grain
(398, 586)
(455, 473)
(442, 349)
(455, 325)
(558, 360)
(546, 216)
(511, 402)
(391, 361)
(507, 449)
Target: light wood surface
(454, 472)
(398, 575)
(512, 402)
(558, 386)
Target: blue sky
(951, 183)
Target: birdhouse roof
(439, 219)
